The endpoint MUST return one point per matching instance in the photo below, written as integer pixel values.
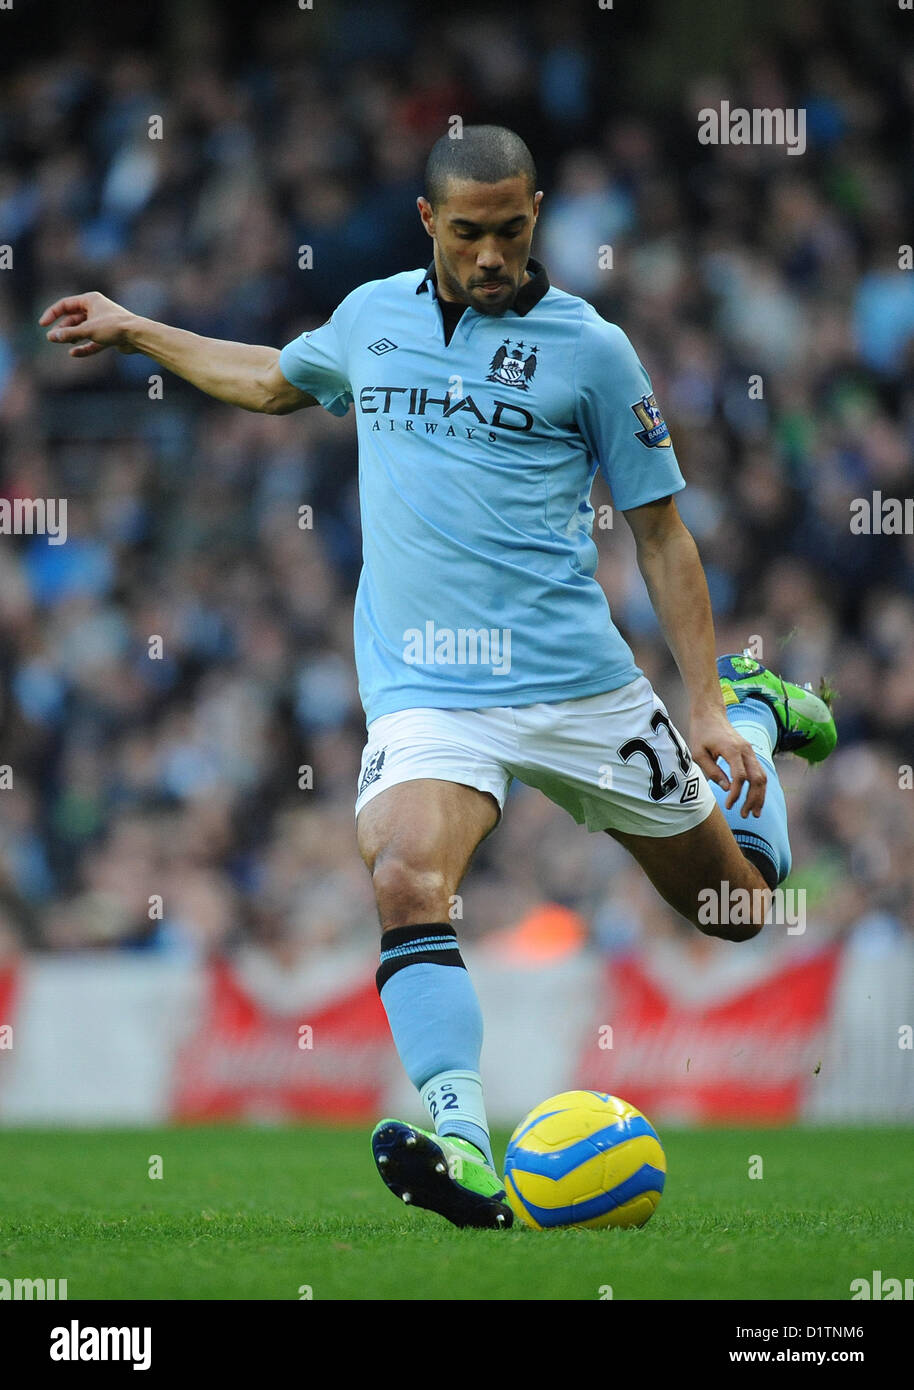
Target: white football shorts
(614, 761)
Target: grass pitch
(258, 1213)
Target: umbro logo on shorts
(373, 770)
(381, 346)
(689, 791)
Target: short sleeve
(317, 361)
(314, 362)
(619, 417)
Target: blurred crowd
(179, 712)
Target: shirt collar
(529, 294)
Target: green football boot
(804, 719)
(441, 1173)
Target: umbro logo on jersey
(381, 346)
(514, 367)
(373, 770)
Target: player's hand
(712, 736)
(90, 322)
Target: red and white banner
(9, 981)
(9, 990)
(247, 1062)
(750, 1056)
(690, 1036)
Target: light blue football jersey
(476, 460)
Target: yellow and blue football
(585, 1159)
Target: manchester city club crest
(514, 367)
(373, 770)
(655, 434)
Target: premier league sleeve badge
(655, 434)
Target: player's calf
(697, 870)
(733, 910)
(416, 839)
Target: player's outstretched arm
(238, 373)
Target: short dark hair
(484, 154)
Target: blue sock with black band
(436, 1023)
(763, 839)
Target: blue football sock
(436, 1023)
(767, 835)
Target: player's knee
(734, 910)
(727, 931)
(408, 891)
(737, 932)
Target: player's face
(482, 235)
